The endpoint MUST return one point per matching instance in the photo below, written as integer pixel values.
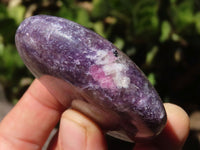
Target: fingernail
(72, 135)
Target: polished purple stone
(86, 72)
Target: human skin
(29, 123)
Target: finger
(174, 134)
(29, 123)
(177, 127)
(77, 132)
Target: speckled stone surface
(107, 85)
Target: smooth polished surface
(100, 81)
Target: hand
(29, 123)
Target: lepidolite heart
(86, 72)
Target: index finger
(29, 123)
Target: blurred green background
(161, 37)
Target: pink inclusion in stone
(111, 57)
(99, 76)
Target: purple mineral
(88, 73)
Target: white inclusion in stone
(111, 68)
(101, 57)
(116, 71)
